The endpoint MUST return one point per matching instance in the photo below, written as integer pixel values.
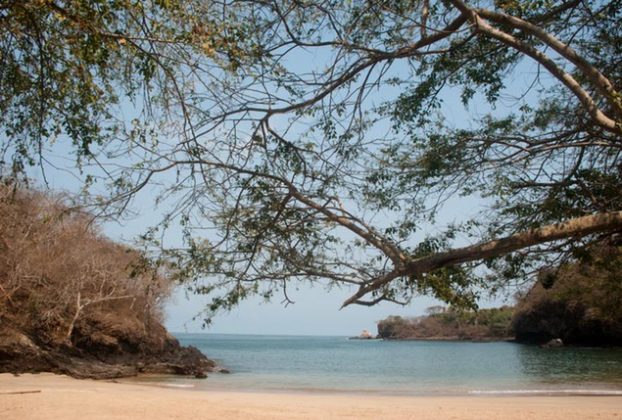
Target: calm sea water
(289, 363)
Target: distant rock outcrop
(556, 342)
(450, 324)
(364, 335)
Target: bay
(336, 364)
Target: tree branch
(570, 82)
(573, 228)
(601, 83)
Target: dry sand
(64, 398)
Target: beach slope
(50, 397)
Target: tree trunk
(72, 324)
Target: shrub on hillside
(64, 283)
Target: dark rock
(555, 342)
(101, 356)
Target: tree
(310, 139)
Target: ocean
(336, 364)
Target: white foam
(603, 392)
(162, 384)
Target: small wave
(548, 392)
(161, 384)
(176, 385)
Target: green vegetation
(577, 302)
(316, 140)
(450, 324)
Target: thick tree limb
(601, 83)
(597, 115)
(573, 228)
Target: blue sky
(316, 311)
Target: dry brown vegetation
(63, 283)
(74, 302)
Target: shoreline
(55, 397)
(456, 339)
(194, 385)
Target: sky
(316, 311)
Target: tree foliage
(314, 140)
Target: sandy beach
(47, 396)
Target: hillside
(74, 302)
(448, 324)
(579, 302)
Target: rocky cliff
(100, 356)
(579, 301)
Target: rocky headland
(101, 356)
(446, 324)
(74, 302)
(576, 303)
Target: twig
(30, 391)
